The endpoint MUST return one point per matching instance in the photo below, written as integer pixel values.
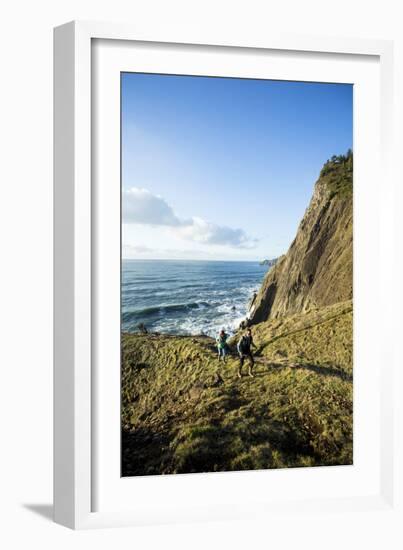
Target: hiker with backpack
(244, 347)
(222, 345)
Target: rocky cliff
(184, 411)
(317, 270)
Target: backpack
(222, 340)
(244, 344)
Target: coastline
(184, 410)
(188, 297)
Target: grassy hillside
(183, 411)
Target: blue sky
(218, 168)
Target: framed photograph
(221, 219)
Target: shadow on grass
(144, 452)
(306, 327)
(323, 370)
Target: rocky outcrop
(317, 270)
(269, 263)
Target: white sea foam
(198, 298)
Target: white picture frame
(77, 208)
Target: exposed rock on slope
(318, 267)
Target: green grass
(183, 411)
(337, 174)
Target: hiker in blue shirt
(222, 344)
(244, 346)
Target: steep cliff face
(317, 270)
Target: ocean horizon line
(189, 260)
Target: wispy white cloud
(205, 232)
(142, 207)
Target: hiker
(245, 352)
(222, 344)
(142, 328)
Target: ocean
(187, 297)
